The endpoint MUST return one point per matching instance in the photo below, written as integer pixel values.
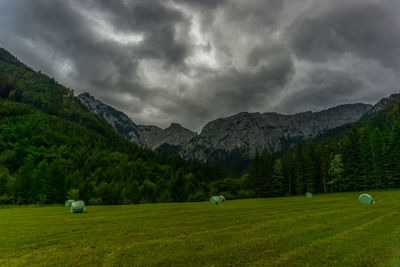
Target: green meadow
(333, 230)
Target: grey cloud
(261, 12)
(369, 29)
(237, 91)
(155, 20)
(225, 94)
(323, 87)
(196, 60)
(203, 4)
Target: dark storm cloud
(261, 12)
(191, 61)
(154, 20)
(226, 94)
(59, 24)
(323, 88)
(369, 29)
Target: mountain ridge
(245, 131)
(117, 119)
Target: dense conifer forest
(362, 156)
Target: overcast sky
(192, 61)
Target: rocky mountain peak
(175, 135)
(118, 120)
(175, 125)
(87, 95)
(384, 102)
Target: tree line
(362, 157)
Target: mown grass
(331, 230)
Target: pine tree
(351, 159)
(311, 169)
(255, 179)
(392, 158)
(377, 145)
(190, 187)
(277, 179)
(325, 159)
(299, 169)
(368, 179)
(288, 168)
(178, 186)
(267, 168)
(260, 173)
(25, 178)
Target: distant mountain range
(244, 132)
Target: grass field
(332, 230)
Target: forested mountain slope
(361, 156)
(50, 143)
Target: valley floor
(333, 230)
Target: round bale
(68, 203)
(215, 200)
(366, 199)
(78, 207)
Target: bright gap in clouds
(204, 53)
(105, 31)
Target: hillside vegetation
(329, 230)
(50, 143)
(361, 156)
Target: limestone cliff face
(250, 132)
(175, 135)
(118, 120)
(244, 132)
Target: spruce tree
(288, 169)
(351, 159)
(377, 146)
(392, 159)
(311, 168)
(299, 169)
(368, 178)
(277, 179)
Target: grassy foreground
(328, 230)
